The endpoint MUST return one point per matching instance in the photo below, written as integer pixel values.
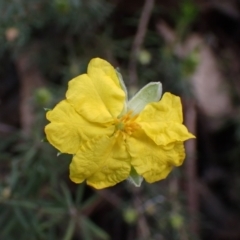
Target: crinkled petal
(106, 81)
(97, 95)
(103, 162)
(151, 161)
(162, 121)
(68, 129)
(169, 108)
(164, 133)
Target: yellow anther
(126, 124)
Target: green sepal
(58, 154)
(124, 88)
(47, 109)
(135, 178)
(152, 92)
(122, 84)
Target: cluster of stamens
(126, 124)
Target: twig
(30, 79)
(142, 225)
(138, 40)
(176, 208)
(191, 166)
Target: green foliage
(73, 16)
(187, 15)
(35, 201)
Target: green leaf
(79, 194)
(21, 218)
(67, 195)
(152, 92)
(70, 230)
(95, 229)
(89, 202)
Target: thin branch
(30, 79)
(191, 166)
(142, 225)
(138, 41)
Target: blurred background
(192, 47)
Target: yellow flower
(110, 137)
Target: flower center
(126, 124)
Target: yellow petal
(169, 108)
(164, 133)
(151, 161)
(68, 129)
(103, 161)
(97, 95)
(162, 121)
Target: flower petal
(151, 161)
(106, 81)
(68, 129)
(103, 161)
(162, 121)
(169, 108)
(166, 133)
(97, 95)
